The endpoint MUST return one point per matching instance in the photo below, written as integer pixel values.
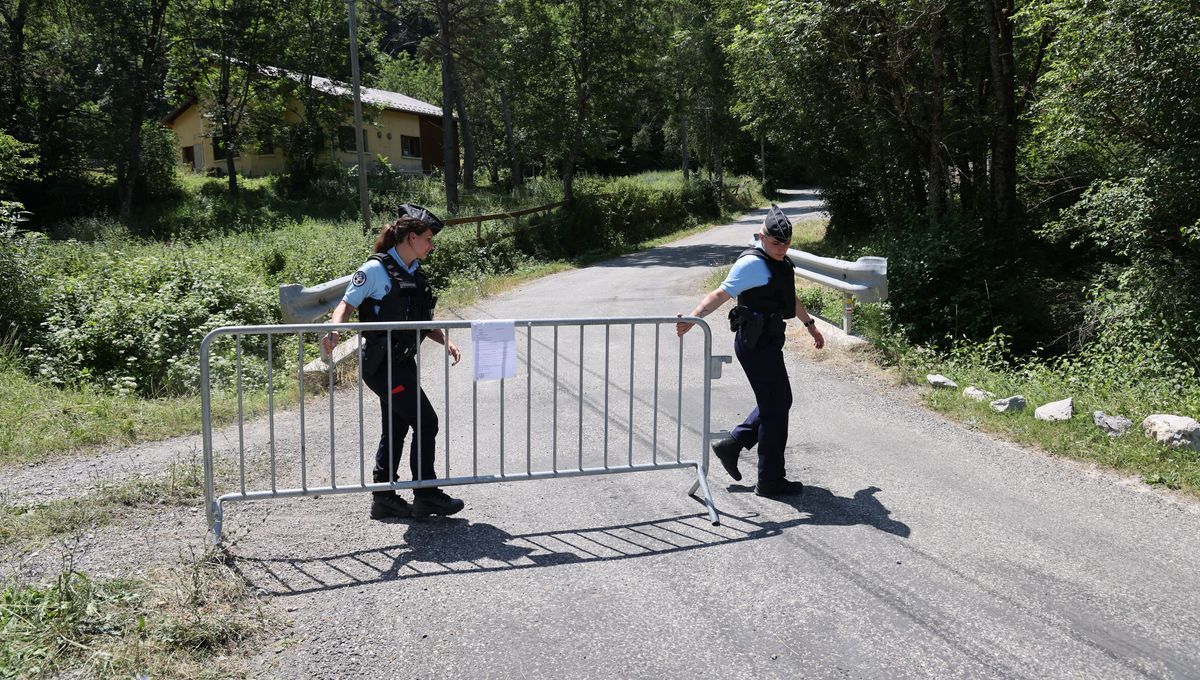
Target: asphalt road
(919, 549)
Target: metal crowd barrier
(292, 454)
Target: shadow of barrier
(457, 546)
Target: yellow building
(405, 130)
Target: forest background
(1030, 169)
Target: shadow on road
(824, 508)
(457, 546)
(708, 254)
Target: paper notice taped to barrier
(494, 350)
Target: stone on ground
(1059, 410)
(1011, 404)
(1113, 426)
(939, 380)
(977, 394)
(1172, 430)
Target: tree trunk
(582, 74)
(149, 66)
(683, 145)
(227, 128)
(464, 131)
(998, 22)
(230, 167)
(449, 149)
(718, 153)
(16, 58)
(514, 159)
(936, 167)
(133, 157)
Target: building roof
(369, 95)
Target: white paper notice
(494, 345)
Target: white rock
(1114, 426)
(939, 380)
(1009, 404)
(1177, 431)
(977, 394)
(1056, 410)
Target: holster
(375, 354)
(748, 323)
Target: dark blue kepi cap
(413, 210)
(777, 224)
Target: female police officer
(390, 286)
(765, 287)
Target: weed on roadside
(25, 527)
(190, 619)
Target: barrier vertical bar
(632, 347)
(702, 469)
(528, 397)
(554, 409)
(607, 330)
(679, 407)
(502, 381)
(241, 416)
(303, 439)
(271, 406)
(474, 427)
(446, 384)
(332, 427)
(419, 394)
(654, 435)
(210, 504)
(362, 450)
(580, 433)
(391, 414)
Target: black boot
(434, 502)
(387, 504)
(784, 487)
(728, 450)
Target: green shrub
(22, 280)
(158, 167)
(134, 324)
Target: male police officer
(763, 282)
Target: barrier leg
(702, 484)
(218, 515)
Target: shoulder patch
(359, 278)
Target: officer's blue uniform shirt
(746, 273)
(372, 280)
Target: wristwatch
(810, 323)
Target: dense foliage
(1025, 164)
(128, 314)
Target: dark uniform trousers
(406, 400)
(767, 424)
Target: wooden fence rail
(516, 215)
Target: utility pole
(358, 122)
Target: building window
(267, 146)
(219, 148)
(410, 147)
(346, 139)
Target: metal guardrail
(865, 278)
(555, 447)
